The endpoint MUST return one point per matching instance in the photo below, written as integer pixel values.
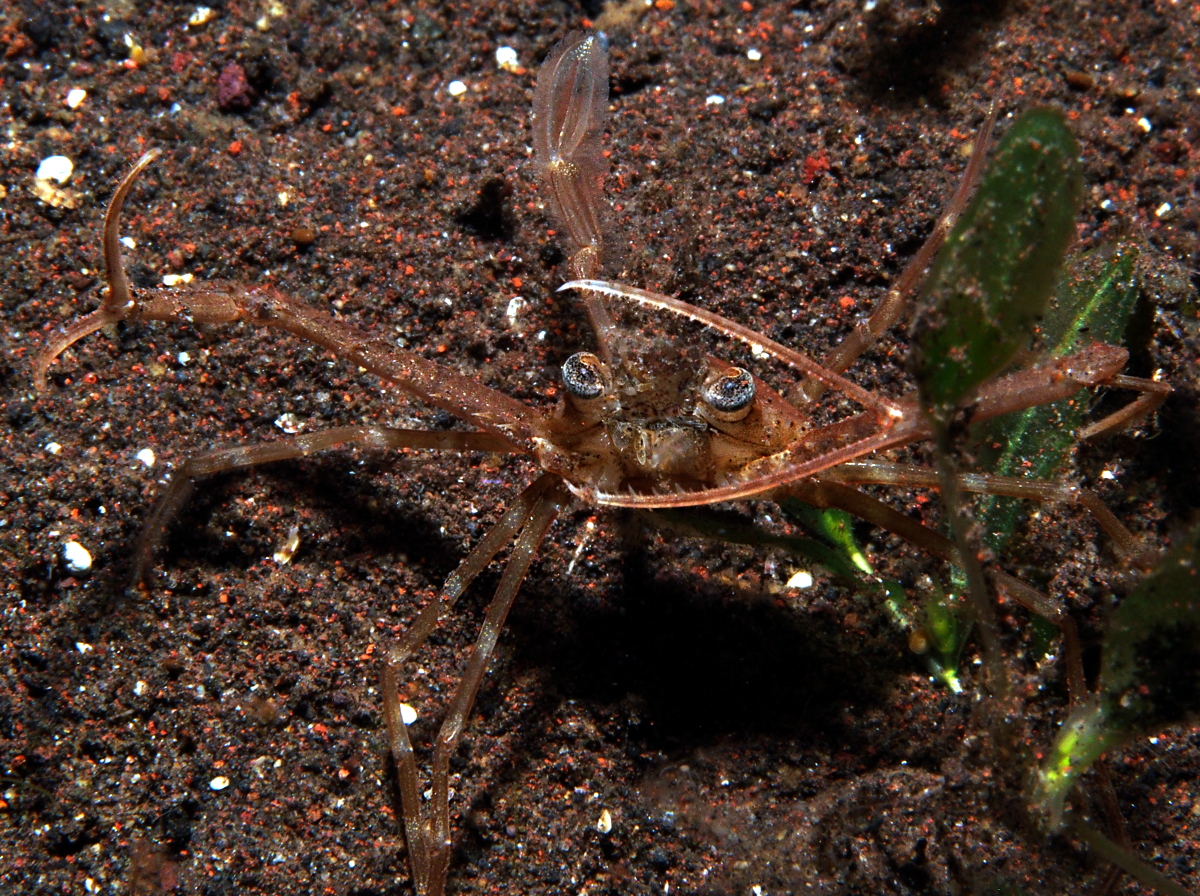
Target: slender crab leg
(428, 831)
(237, 457)
(218, 302)
(878, 473)
(886, 424)
(895, 301)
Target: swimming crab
(643, 422)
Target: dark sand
(738, 735)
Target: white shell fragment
(289, 423)
(56, 168)
(516, 305)
(201, 16)
(715, 100)
(75, 97)
(456, 88)
(76, 557)
(408, 715)
(800, 580)
(146, 456)
(288, 549)
(506, 58)
(220, 782)
(604, 824)
(754, 55)
(51, 174)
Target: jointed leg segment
(830, 493)
(878, 473)
(895, 301)
(237, 457)
(428, 830)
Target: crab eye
(583, 376)
(731, 394)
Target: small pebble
(288, 549)
(139, 688)
(303, 235)
(53, 447)
(146, 456)
(76, 557)
(408, 715)
(234, 93)
(715, 100)
(83, 648)
(201, 16)
(753, 55)
(220, 782)
(1162, 210)
(55, 168)
(1145, 125)
(75, 97)
(456, 88)
(604, 824)
(176, 279)
(137, 53)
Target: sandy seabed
(777, 163)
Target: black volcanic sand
(224, 733)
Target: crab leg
(1153, 395)
(895, 301)
(236, 457)
(823, 493)
(428, 833)
(880, 473)
(227, 302)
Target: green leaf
(990, 283)
(946, 631)
(945, 623)
(833, 525)
(937, 620)
(1093, 303)
(1149, 675)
